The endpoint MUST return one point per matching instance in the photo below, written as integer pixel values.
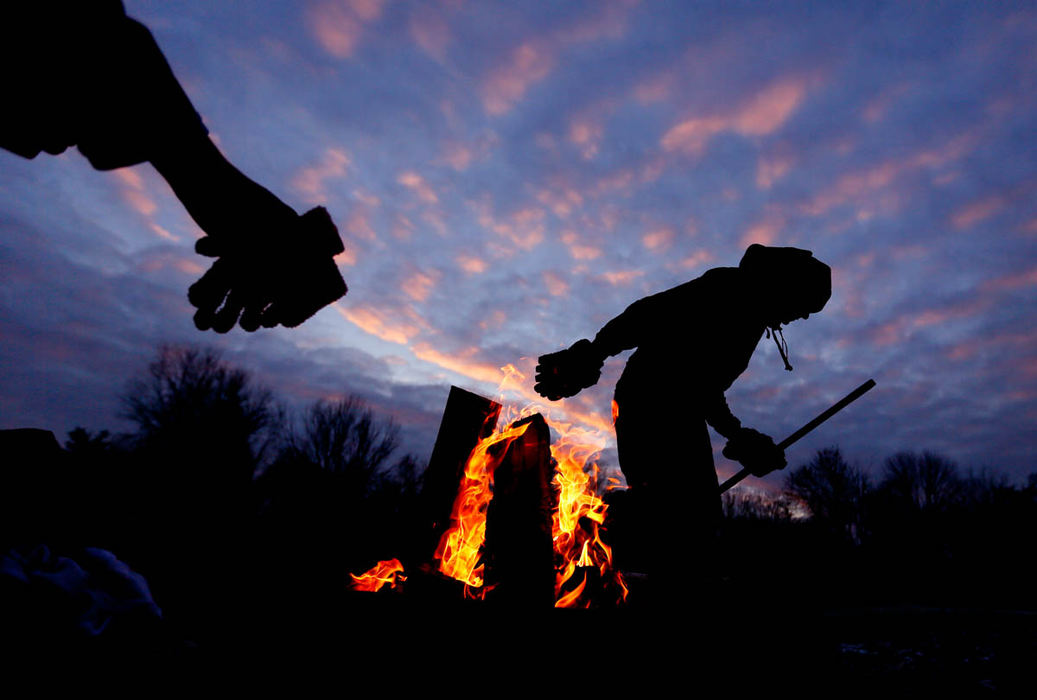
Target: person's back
(694, 340)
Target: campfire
(525, 520)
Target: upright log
(519, 552)
(467, 419)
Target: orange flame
(578, 517)
(460, 546)
(575, 520)
(384, 572)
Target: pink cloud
(658, 240)
(133, 193)
(562, 200)
(853, 186)
(310, 182)
(888, 333)
(132, 190)
(877, 108)
(958, 147)
(760, 115)
(620, 278)
(999, 343)
(697, 259)
(189, 267)
(462, 363)
(379, 323)
(586, 134)
(336, 29)
(366, 10)
(129, 177)
(764, 231)
(654, 89)
(1011, 282)
(460, 155)
(872, 188)
(163, 233)
(337, 26)
(357, 226)
(176, 261)
(430, 31)
(419, 285)
(414, 182)
(578, 249)
(609, 23)
(403, 228)
(556, 286)
(770, 169)
(436, 219)
(978, 210)
(767, 111)
(472, 265)
(533, 60)
(692, 135)
(618, 181)
(528, 64)
(496, 320)
(346, 257)
(140, 202)
(651, 169)
(367, 198)
(901, 328)
(524, 228)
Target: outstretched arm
(274, 266)
(100, 82)
(567, 372)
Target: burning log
(467, 419)
(519, 553)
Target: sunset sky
(509, 176)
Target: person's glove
(565, 373)
(268, 282)
(755, 451)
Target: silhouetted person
(84, 74)
(692, 342)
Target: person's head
(790, 283)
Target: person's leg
(667, 459)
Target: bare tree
(755, 506)
(192, 402)
(923, 482)
(833, 491)
(345, 438)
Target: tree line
(924, 530)
(226, 501)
